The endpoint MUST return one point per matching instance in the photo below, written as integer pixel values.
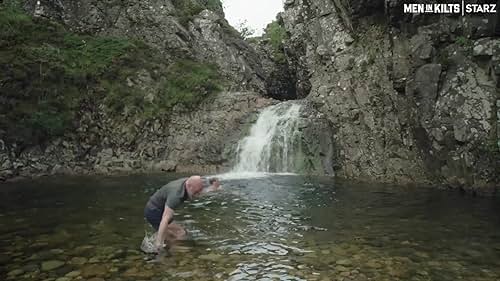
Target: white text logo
(450, 8)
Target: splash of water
(148, 243)
(270, 145)
(249, 175)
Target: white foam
(148, 243)
(270, 144)
(249, 175)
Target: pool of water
(278, 227)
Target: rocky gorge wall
(413, 99)
(188, 142)
(140, 134)
(121, 118)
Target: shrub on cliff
(245, 31)
(189, 82)
(276, 35)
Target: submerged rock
(210, 257)
(94, 270)
(341, 268)
(137, 273)
(344, 262)
(51, 265)
(78, 260)
(73, 274)
(374, 264)
(15, 272)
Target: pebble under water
(269, 228)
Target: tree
(245, 30)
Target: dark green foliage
(212, 5)
(83, 55)
(49, 119)
(189, 82)
(276, 35)
(39, 93)
(186, 83)
(464, 42)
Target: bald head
(194, 185)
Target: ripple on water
(261, 248)
(263, 271)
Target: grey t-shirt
(171, 195)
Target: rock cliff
(194, 28)
(122, 86)
(413, 98)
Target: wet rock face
(202, 138)
(319, 154)
(410, 100)
(280, 77)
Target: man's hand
(159, 245)
(168, 214)
(162, 249)
(176, 232)
(213, 188)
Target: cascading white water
(270, 145)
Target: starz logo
(457, 8)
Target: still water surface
(270, 228)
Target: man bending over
(159, 210)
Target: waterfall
(272, 140)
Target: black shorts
(153, 215)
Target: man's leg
(153, 216)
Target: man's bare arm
(211, 188)
(167, 216)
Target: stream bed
(274, 227)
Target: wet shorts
(153, 215)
